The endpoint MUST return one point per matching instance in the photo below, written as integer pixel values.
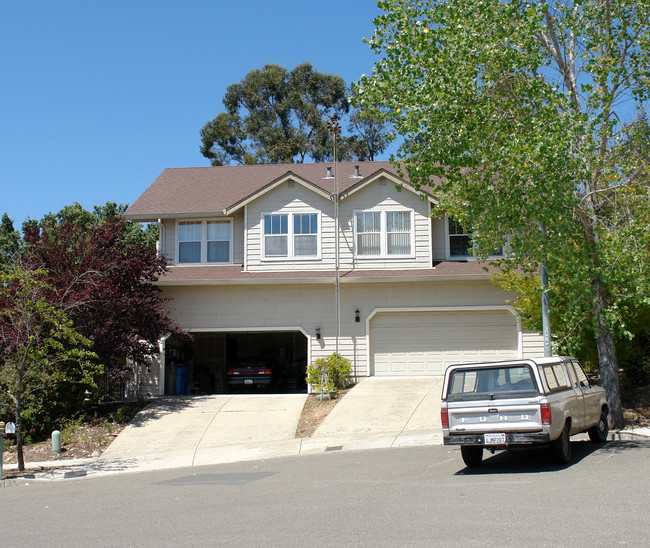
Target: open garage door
(425, 343)
(205, 364)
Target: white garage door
(425, 343)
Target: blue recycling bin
(181, 380)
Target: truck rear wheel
(472, 455)
(561, 447)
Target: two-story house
(255, 276)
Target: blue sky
(97, 97)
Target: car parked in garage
(519, 404)
(249, 374)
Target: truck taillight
(545, 410)
(444, 417)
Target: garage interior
(199, 366)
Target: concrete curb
(223, 454)
(627, 435)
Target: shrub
(333, 370)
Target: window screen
(398, 232)
(305, 234)
(368, 225)
(218, 236)
(189, 242)
(276, 228)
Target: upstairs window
(368, 225)
(305, 234)
(218, 241)
(189, 242)
(276, 231)
(204, 241)
(383, 233)
(459, 240)
(398, 232)
(290, 235)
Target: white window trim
(451, 257)
(204, 240)
(383, 233)
(290, 237)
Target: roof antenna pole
(335, 128)
(546, 307)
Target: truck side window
(572, 375)
(549, 375)
(582, 378)
(555, 377)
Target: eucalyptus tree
(522, 107)
(278, 116)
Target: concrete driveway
(191, 431)
(405, 409)
(183, 430)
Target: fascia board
(289, 176)
(326, 280)
(142, 217)
(383, 173)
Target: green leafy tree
(372, 135)
(38, 345)
(520, 107)
(9, 240)
(84, 220)
(278, 116)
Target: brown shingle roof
(212, 190)
(223, 274)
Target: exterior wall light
(318, 333)
(357, 316)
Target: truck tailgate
(494, 416)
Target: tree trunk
(607, 359)
(19, 436)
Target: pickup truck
(519, 404)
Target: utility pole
(546, 305)
(335, 128)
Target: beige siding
(238, 237)
(533, 344)
(169, 236)
(307, 306)
(383, 195)
(438, 238)
(289, 198)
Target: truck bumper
(514, 438)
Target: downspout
(161, 236)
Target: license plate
(495, 439)
(248, 381)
